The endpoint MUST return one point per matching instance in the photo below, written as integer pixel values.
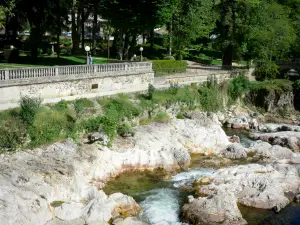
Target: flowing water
(161, 195)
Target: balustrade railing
(64, 71)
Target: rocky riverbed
(61, 184)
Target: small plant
(180, 116)
(162, 117)
(49, 51)
(56, 203)
(61, 105)
(82, 103)
(151, 90)
(29, 108)
(173, 89)
(238, 86)
(125, 131)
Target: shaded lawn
(25, 61)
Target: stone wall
(54, 91)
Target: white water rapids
(162, 206)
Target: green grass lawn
(25, 61)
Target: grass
(25, 61)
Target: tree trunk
(132, 46)
(75, 36)
(82, 30)
(151, 39)
(108, 47)
(94, 32)
(227, 57)
(170, 34)
(58, 45)
(121, 44)
(35, 40)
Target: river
(162, 195)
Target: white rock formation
(31, 180)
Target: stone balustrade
(65, 72)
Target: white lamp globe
(87, 48)
(141, 49)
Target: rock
(240, 122)
(68, 212)
(98, 136)
(220, 208)
(131, 221)
(297, 198)
(79, 221)
(253, 124)
(234, 151)
(271, 152)
(32, 179)
(254, 185)
(234, 139)
(290, 139)
(272, 127)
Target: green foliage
(81, 104)
(13, 134)
(65, 52)
(166, 67)
(49, 51)
(173, 89)
(266, 70)
(125, 130)
(49, 126)
(121, 109)
(238, 86)
(151, 90)
(40, 52)
(210, 99)
(169, 57)
(278, 85)
(61, 105)
(180, 116)
(161, 117)
(29, 108)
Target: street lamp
(87, 49)
(141, 50)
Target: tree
(192, 20)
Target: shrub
(238, 86)
(82, 103)
(65, 52)
(49, 126)
(92, 124)
(151, 90)
(210, 99)
(180, 115)
(40, 52)
(29, 108)
(13, 134)
(125, 130)
(121, 109)
(61, 105)
(266, 70)
(169, 57)
(165, 67)
(49, 51)
(205, 59)
(162, 117)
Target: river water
(161, 196)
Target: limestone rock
(219, 208)
(290, 139)
(98, 136)
(234, 151)
(131, 221)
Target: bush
(266, 70)
(162, 117)
(29, 108)
(49, 126)
(125, 130)
(65, 52)
(13, 134)
(205, 59)
(169, 57)
(49, 51)
(121, 109)
(40, 52)
(151, 90)
(238, 86)
(61, 105)
(165, 67)
(210, 99)
(180, 116)
(82, 103)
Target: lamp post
(141, 50)
(87, 49)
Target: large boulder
(218, 208)
(290, 139)
(234, 151)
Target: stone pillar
(56, 71)
(6, 75)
